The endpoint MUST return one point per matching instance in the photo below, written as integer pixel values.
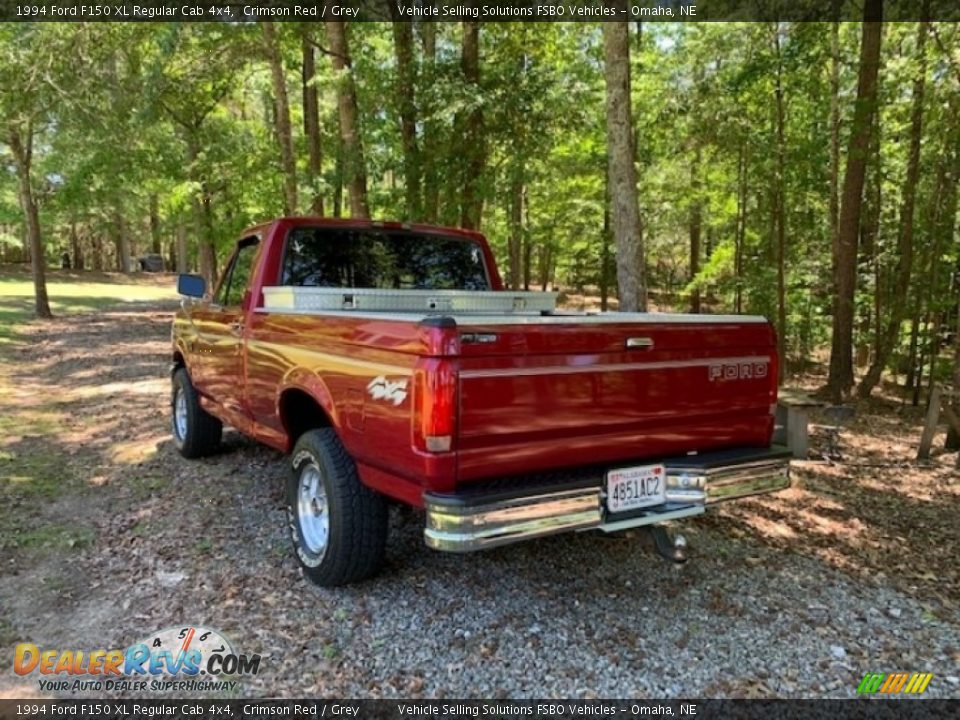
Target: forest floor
(107, 535)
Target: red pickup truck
(391, 364)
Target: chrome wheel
(313, 510)
(180, 414)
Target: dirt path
(108, 535)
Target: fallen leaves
(169, 541)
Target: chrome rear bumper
(474, 521)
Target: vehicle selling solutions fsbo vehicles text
(496, 11)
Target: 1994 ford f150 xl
(389, 361)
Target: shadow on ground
(107, 535)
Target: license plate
(636, 487)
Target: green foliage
(181, 116)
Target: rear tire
(338, 525)
(195, 431)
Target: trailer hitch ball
(672, 548)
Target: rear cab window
(381, 259)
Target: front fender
(182, 338)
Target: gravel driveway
(764, 609)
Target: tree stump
(939, 403)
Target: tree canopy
(747, 138)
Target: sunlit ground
(75, 292)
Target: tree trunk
(781, 214)
(471, 201)
(25, 245)
(546, 265)
(431, 179)
(834, 140)
(696, 226)
(75, 247)
(208, 255)
(281, 117)
(405, 88)
(605, 247)
(97, 252)
(889, 335)
(22, 149)
(953, 439)
(940, 204)
(605, 262)
(845, 271)
(182, 264)
(868, 249)
(914, 346)
(527, 263)
(948, 223)
(515, 240)
(155, 246)
(625, 210)
(338, 174)
(116, 240)
(352, 143)
(311, 122)
(527, 250)
(203, 216)
(121, 241)
(741, 232)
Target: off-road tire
(203, 431)
(357, 516)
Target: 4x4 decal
(392, 390)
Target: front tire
(338, 525)
(195, 431)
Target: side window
(237, 275)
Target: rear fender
(314, 386)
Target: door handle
(639, 343)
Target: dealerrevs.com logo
(181, 659)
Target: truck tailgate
(553, 392)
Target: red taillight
(435, 406)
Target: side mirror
(191, 285)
